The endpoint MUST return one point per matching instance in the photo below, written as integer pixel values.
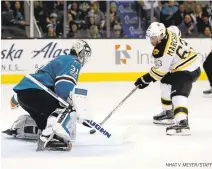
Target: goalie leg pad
(24, 128)
(66, 129)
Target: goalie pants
(38, 103)
(208, 67)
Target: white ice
(148, 145)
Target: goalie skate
(45, 144)
(166, 118)
(181, 129)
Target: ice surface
(148, 146)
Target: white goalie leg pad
(67, 128)
(166, 95)
(25, 128)
(49, 126)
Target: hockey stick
(92, 131)
(91, 123)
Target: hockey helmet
(81, 50)
(156, 31)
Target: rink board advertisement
(112, 59)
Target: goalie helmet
(82, 51)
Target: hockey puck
(92, 131)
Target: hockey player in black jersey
(176, 67)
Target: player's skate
(208, 91)
(182, 129)
(166, 117)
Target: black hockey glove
(140, 82)
(144, 81)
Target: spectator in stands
(205, 18)
(40, 15)
(17, 5)
(190, 6)
(208, 8)
(19, 19)
(91, 21)
(53, 20)
(84, 7)
(73, 10)
(83, 10)
(113, 8)
(12, 22)
(210, 21)
(207, 33)
(74, 32)
(117, 31)
(59, 9)
(168, 13)
(146, 6)
(188, 28)
(198, 18)
(7, 14)
(51, 32)
(179, 15)
(12, 17)
(112, 20)
(94, 32)
(98, 15)
(69, 22)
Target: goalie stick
(90, 123)
(92, 131)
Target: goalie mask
(82, 51)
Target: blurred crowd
(193, 18)
(88, 19)
(84, 19)
(12, 14)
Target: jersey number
(180, 52)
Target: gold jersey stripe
(184, 65)
(159, 72)
(156, 77)
(168, 42)
(159, 75)
(183, 61)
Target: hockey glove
(144, 81)
(140, 82)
